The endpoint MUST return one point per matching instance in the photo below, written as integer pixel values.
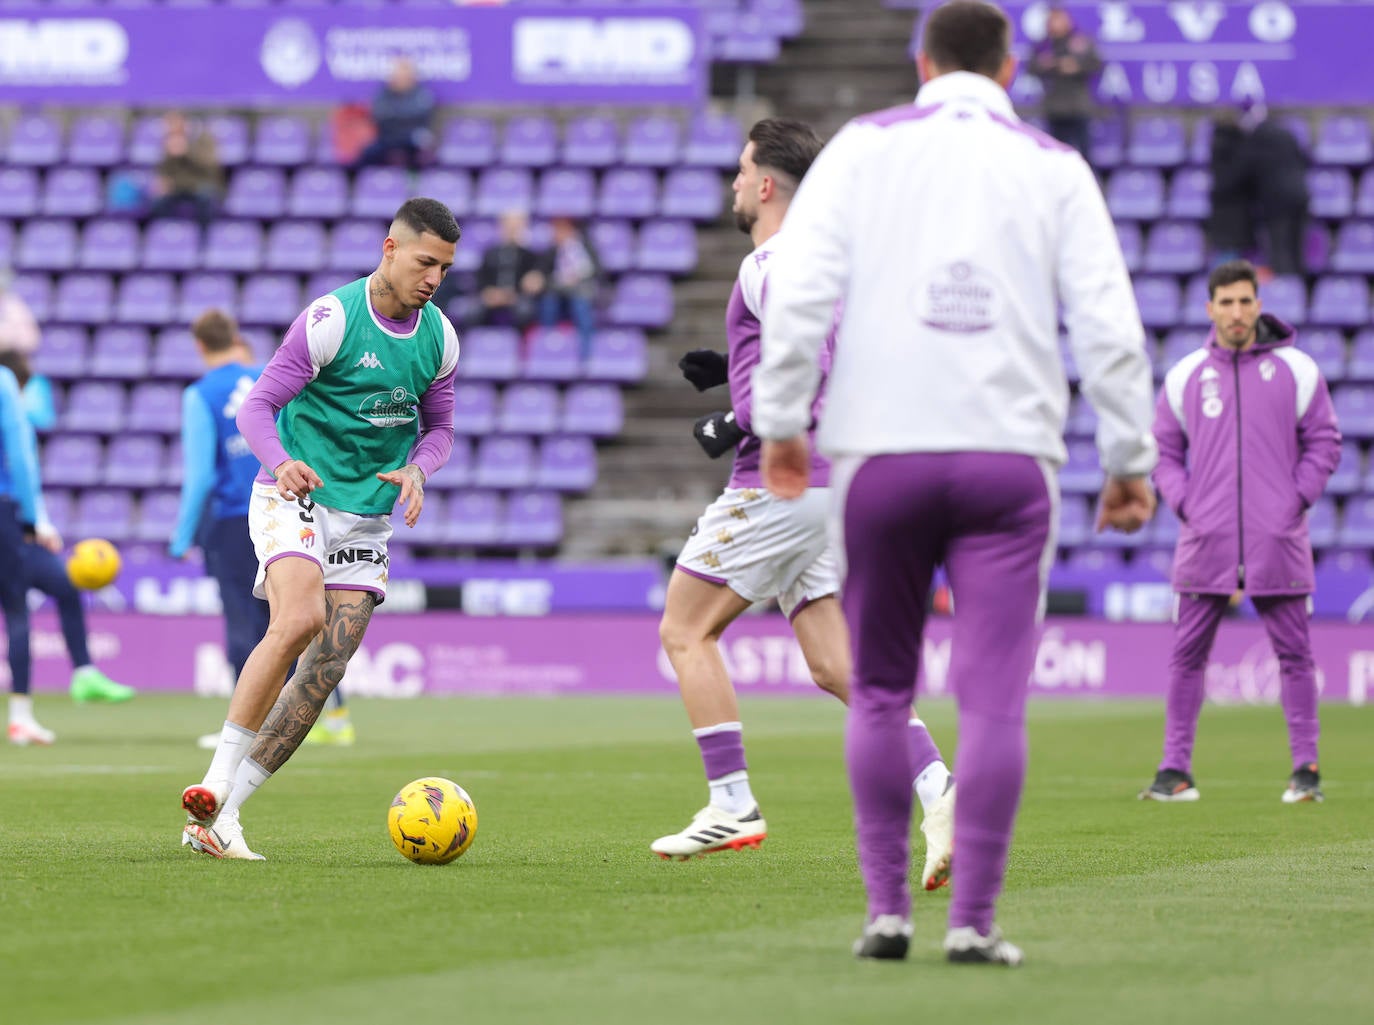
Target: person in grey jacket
(1065, 61)
(1247, 440)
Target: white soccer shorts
(762, 547)
(350, 549)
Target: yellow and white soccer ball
(432, 821)
(93, 564)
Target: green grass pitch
(1235, 909)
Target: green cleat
(342, 735)
(90, 684)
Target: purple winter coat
(1247, 441)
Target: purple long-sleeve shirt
(291, 369)
(742, 331)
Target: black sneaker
(1304, 785)
(886, 938)
(1171, 785)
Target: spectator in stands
(1213, 474)
(189, 176)
(1065, 61)
(1230, 232)
(1279, 167)
(509, 281)
(403, 112)
(571, 273)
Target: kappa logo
(319, 313)
(369, 360)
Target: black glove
(705, 368)
(717, 433)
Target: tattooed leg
(319, 671)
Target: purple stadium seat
(566, 192)
(379, 192)
(456, 472)
(1361, 367)
(1190, 194)
(1194, 310)
(667, 246)
(18, 192)
(529, 140)
(155, 406)
(479, 235)
(474, 408)
(533, 519)
(1200, 143)
(1286, 298)
(1158, 299)
(474, 518)
(1178, 343)
(591, 141)
(1075, 525)
(1322, 523)
(257, 192)
(1344, 139)
(7, 241)
(642, 300)
(1132, 244)
(36, 291)
(652, 141)
(1357, 525)
(1175, 247)
(617, 354)
(47, 245)
(692, 192)
(157, 512)
(63, 354)
(554, 354)
(1157, 140)
(467, 142)
(282, 141)
(615, 245)
(528, 407)
(566, 463)
(785, 18)
(1354, 249)
(109, 245)
(1349, 475)
(146, 299)
(1354, 404)
(1364, 195)
(270, 299)
(120, 352)
(201, 291)
(628, 192)
(432, 528)
(170, 245)
(593, 409)
(502, 189)
(175, 355)
(95, 406)
(1136, 194)
(72, 192)
(84, 298)
(105, 512)
(296, 246)
(356, 246)
(72, 460)
(451, 187)
(1332, 191)
(490, 354)
(1081, 473)
(59, 504)
(713, 140)
(135, 461)
(1327, 347)
(96, 140)
(504, 463)
(750, 41)
(230, 132)
(35, 141)
(1340, 302)
(320, 284)
(1106, 143)
(145, 140)
(233, 246)
(318, 192)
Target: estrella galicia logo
(290, 53)
(395, 408)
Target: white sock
(21, 708)
(234, 744)
(931, 783)
(247, 779)
(731, 793)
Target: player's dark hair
(789, 147)
(1229, 273)
(967, 35)
(422, 215)
(18, 362)
(215, 330)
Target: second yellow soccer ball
(93, 564)
(432, 821)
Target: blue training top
(19, 468)
(219, 467)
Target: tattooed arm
(319, 671)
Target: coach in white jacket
(952, 232)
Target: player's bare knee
(297, 627)
(831, 678)
(678, 634)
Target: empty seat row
(1142, 193)
(1163, 140)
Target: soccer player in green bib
(349, 418)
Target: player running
(748, 547)
(364, 386)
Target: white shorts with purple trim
(349, 548)
(761, 547)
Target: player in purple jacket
(1247, 440)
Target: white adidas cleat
(203, 801)
(938, 827)
(966, 945)
(27, 731)
(713, 830)
(222, 840)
